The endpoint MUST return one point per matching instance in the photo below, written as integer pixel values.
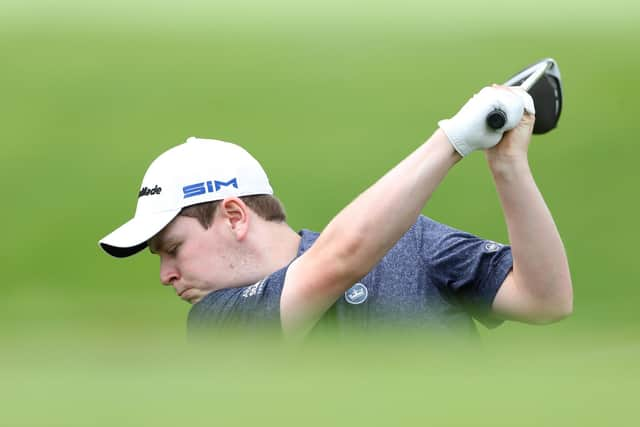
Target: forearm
(374, 222)
(541, 270)
(361, 234)
(368, 227)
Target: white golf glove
(468, 130)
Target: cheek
(198, 272)
(217, 251)
(200, 260)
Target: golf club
(542, 81)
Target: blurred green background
(328, 95)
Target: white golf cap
(200, 170)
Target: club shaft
(535, 76)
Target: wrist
(508, 168)
(441, 140)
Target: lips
(190, 297)
(181, 292)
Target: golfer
(206, 208)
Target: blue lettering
(220, 184)
(199, 188)
(193, 190)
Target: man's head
(209, 246)
(195, 207)
(193, 173)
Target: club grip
(496, 119)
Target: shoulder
(427, 235)
(307, 239)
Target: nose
(168, 272)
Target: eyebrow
(153, 247)
(158, 243)
(161, 242)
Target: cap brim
(132, 237)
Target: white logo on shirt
(253, 290)
(357, 294)
(492, 246)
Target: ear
(235, 214)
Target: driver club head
(543, 82)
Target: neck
(275, 245)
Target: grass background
(328, 95)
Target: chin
(194, 300)
(197, 298)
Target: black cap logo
(146, 191)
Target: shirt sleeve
(249, 308)
(468, 268)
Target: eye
(173, 250)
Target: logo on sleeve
(357, 294)
(490, 246)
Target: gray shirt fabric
(435, 277)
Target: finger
(529, 106)
(527, 121)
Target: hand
(514, 144)
(468, 131)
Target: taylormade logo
(200, 188)
(146, 191)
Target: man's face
(195, 260)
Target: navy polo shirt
(435, 277)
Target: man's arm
(539, 289)
(362, 233)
